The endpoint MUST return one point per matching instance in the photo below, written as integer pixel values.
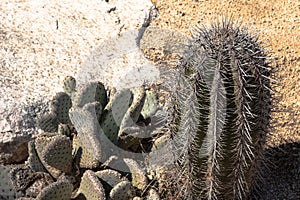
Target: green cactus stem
(34, 162)
(91, 187)
(151, 104)
(91, 92)
(7, 190)
(58, 154)
(29, 182)
(60, 105)
(121, 191)
(48, 122)
(59, 190)
(69, 85)
(114, 113)
(55, 153)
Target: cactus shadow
(281, 174)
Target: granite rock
(43, 42)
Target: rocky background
(42, 42)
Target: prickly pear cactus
(114, 113)
(88, 144)
(121, 191)
(91, 92)
(138, 174)
(60, 105)
(150, 105)
(55, 153)
(109, 177)
(48, 122)
(34, 161)
(69, 85)
(132, 114)
(58, 154)
(7, 190)
(91, 187)
(64, 129)
(83, 129)
(100, 123)
(60, 190)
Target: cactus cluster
(84, 149)
(94, 141)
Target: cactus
(91, 92)
(7, 190)
(121, 191)
(109, 177)
(96, 108)
(138, 174)
(48, 122)
(34, 162)
(150, 105)
(28, 182)
(114, 112)
(87, 144)
(100, 124)
(52, 154)
(58, 154)
(81, 132)
(60, 190)
(69, 85)
(64, 129)
(217, 118)
(132, 114)
(60, 105)
(230, 71)
(91, 186)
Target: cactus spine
(229, 70)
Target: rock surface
(43, 42)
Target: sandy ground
(278, 22)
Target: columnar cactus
(230, 72)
